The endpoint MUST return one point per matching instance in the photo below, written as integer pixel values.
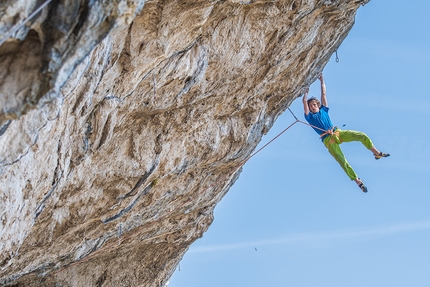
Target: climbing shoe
(362, 187)
(381, 154)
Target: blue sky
(295, 219)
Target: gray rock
(123, 124)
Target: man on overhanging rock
(316, 113)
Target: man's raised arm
(324, 101)
(305, 102)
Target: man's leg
(350, 135)
(336, 152)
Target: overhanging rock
(122, 125)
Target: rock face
(123, 124)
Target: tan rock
(121, 132)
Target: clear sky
(295, 219)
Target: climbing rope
(191, 199)
(305, 123)
(23, 22)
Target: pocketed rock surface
(124, 123)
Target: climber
(316, 114)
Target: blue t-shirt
(320, 119)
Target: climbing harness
(331, 131)
(334, 133)
(23, 22)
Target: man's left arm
(324, 101)
(305, 102)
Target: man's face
(313, 107)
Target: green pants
(332, 143)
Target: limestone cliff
(123, 124)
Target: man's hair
(314, 99)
